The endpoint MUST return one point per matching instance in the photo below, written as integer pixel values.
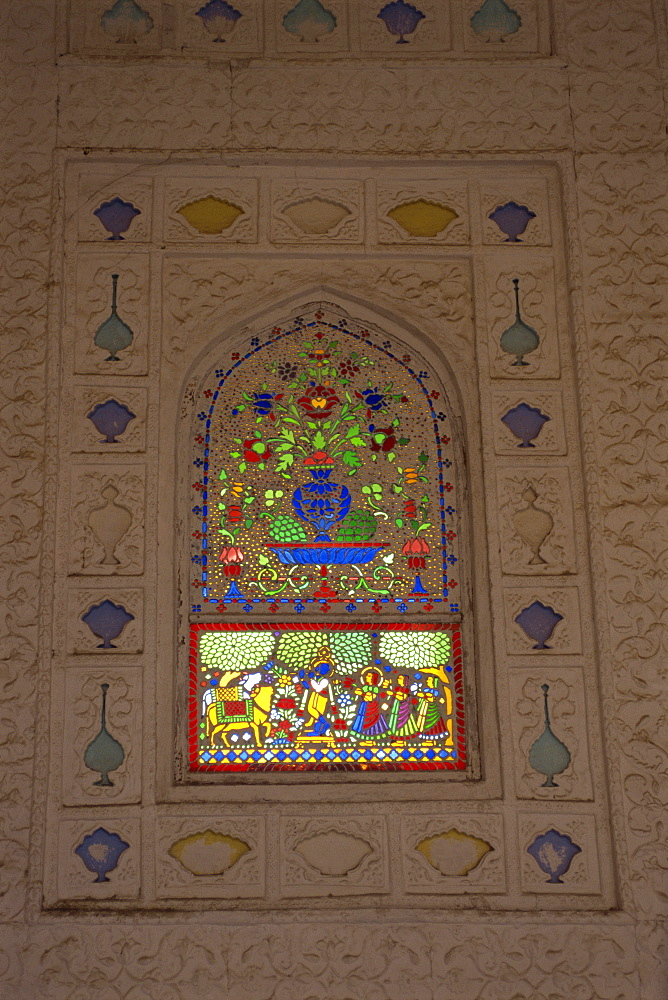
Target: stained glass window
(325, 485)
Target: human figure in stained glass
(318, 694)
(369, 720)
(401, 722)
(430, 722)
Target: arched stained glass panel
(326, 488)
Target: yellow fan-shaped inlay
(210, 215)
(423, 218)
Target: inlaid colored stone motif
(326, 697)
(116, 216)
(423, 218)
(210, 216)
(219, 18)
(126, 22)
(104, 753)
(400, 19)
(325, 478)
(495, 21)
(309, 20)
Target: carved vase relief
(107, 521)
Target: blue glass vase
(321, 503)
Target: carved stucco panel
(201, 297)
(570, 721)
(97, 188)
(623, 260)
(597, 36)
(618, 110)
(538, 537)
(552, 436)
(90, 291)
(107, 507)
(566, 636)
(387, 109)
(66, 876)
(361, 842)
(244, 878)
(79, 722)
(346, 195)
(28, 135)
(420, 876)
(151, 113)
(73, 635)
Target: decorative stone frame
(180, 294)
(472, 552)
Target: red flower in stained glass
(318, 402)
(285, 703)
(383, 439)
(255, 450)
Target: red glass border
(195, 765)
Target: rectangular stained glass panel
(326, 697)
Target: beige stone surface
(567, 117)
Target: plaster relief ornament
(333, 853)
(109, 523)
(113, 335)
(316, 216)
(210, 216)
(533, 525)
(400, 19)
(310, 20)
(116, 216)
(548, 755)
(219, 18)
(126, 21)
(104, 753)
(553, 852)
(453, 852)
(422, 218)
(495, 21)
(208, 852)
(110, 418)
(107, 620)
(100, 852)
(525, 422)
(520, 338)
(512, 219)
(539, 621)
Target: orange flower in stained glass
(318, 402)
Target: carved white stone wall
(580, 135)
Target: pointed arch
(327, 487)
